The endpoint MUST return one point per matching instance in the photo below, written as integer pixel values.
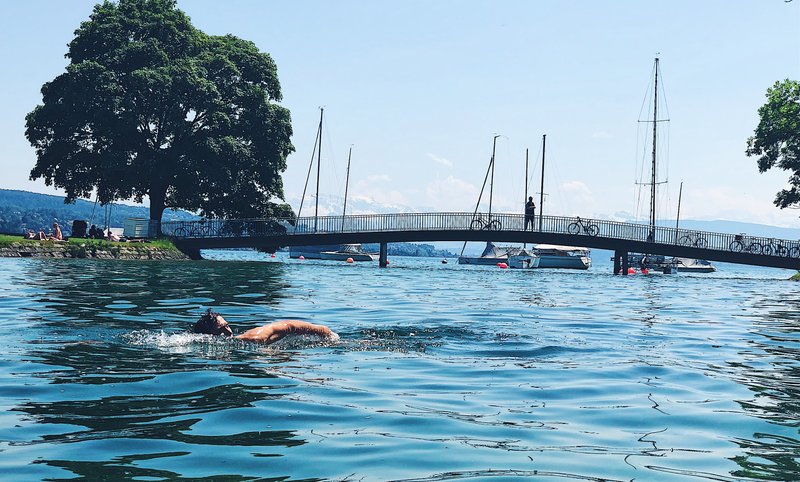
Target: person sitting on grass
(212, 323)
(57, 235)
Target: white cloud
(379, 178)
(451, 194)
(441, 160)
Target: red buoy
(301, 257)
(349, 260)
(631, 271)
(645, 271)
(502, 265)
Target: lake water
(442, 372)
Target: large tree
(777, 138)
(151, 106)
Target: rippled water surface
(442, 372)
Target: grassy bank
(88, 248)
(7, 240)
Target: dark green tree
(151, 106)
(777, 138)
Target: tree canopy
(777, 138)
(151, 106)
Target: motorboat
(692, 265)
(566, 257)
(348, 251)
(310, 252)
(513, 256)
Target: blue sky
(419, 88)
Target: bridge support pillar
(382, 261)
(621, 262)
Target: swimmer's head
(212, 323)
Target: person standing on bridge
(530, 213)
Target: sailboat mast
(525, 199)
(541, 188)
(491, 181)
(678, 217)
(655, 142)
(319, 156)
(346, 185)
(526, 176)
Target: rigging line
(308, 177)
(96, 198)
(486, 178)
(331, 158)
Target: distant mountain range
(20, 210)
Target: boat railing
(460, 221)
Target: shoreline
(79, 248)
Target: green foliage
(151, 106)
(21, 210)
(777, 138)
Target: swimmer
(212, 323)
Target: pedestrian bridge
(622, 238)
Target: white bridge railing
(454, 221)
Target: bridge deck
(415, 227)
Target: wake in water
(184, 341)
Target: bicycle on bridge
(479, 224)
(582, 226)
(693, 239)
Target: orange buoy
(502, 265)
(349, 260)
(301, 257)
(631, 271)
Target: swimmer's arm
(275, 331)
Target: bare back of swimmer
(212, 323)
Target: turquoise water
(442, 372)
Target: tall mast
(526, 176)
(346, 185)
(655, 142)
(491, 181)
(319, 156)
(541, 189)
(678, 217)
(525, 199)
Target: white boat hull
(519, 262)
(565, 262)
(339, 256)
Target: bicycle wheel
(700, 243)
(794, 252)
(180, 232)
(592, 229)
(476, 225)
(573, 228)
(781, 250)
(494, 225)
(755, 248)
(685, 240)
(736, 246)
(767, 249)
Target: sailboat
(329, 252)
(512, 256)
(551, 255)
(662, 263)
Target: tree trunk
(157, 209)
